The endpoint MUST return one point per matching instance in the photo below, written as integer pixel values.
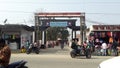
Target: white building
(16, 36)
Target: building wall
(26, 36)
(16, 35)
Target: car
(110, 63)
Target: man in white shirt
(104, 49)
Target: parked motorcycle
(32, 48)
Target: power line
(95, 22)
(105, 13)
(61, 2)
(25, 12)
(13, 11)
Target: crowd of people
(103, 48)
(100, 47)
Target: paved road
(57, 58)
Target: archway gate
(51, 15)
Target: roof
(105, 28)
(15, 27)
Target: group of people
(27, 46)
(98, 47)
(76, 46)
(104, 48)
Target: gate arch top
(62, 14)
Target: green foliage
(57, 32)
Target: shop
(16, 36)
(105, 32)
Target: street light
(5, 21)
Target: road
(57, 58)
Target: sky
(97, 11)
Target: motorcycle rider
(75, 44)
(5, 54)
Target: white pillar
(43, 37)
(33, 37)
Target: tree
(53, 33)
(65, 34)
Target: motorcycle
(18, 64)
(32, 48)
(81, 51)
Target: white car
(110, 63)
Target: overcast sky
(22, 11)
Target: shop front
(105, 32)
(16, 36)
(13, 40)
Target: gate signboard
(58, 24)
